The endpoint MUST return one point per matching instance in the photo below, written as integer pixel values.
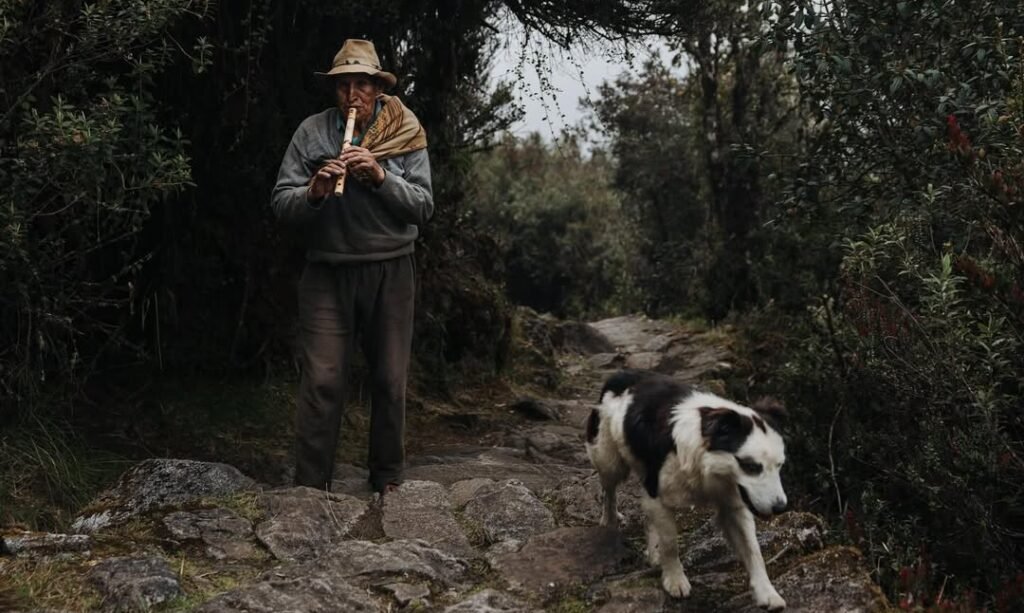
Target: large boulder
(156, 483)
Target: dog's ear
(724, 429)
(772, 411)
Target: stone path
(504, 528)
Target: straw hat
(358, 57)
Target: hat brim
(383, 75)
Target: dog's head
(744, 448)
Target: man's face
(358, 91)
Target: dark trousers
(371, 301)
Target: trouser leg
(387, 343)
(326, 332)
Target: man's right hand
(324, 180)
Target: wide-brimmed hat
(358, 56)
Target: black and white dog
(690, 448)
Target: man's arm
(290, 199)
(409, 198)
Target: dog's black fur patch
(646, 424)
(724, 429)
(625, 379)
(593, 422)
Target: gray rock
(788, 535)
(565, 557)
(498, 464)
(421, 510)
(366, 562)
(508, 510)
(407, 593)
(631, 332)
(606, 360)
(536, 408)
(489, 601)
(303, 522)
(225, 535)
(557, 440)
(644, 361)
(31, 544)
(462, 492)
(635, 600)
(156, 483)
(316, 594)
(834, 579)
(580, 338)
(134, 583)
(580, 501)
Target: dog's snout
(779, 506)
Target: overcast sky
(555, 105)
(550, 106)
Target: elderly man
(359, 279)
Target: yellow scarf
(395, 131)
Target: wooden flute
(346, 142)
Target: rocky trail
(510, 525)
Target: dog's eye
(750, 467)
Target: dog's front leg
(662, 526)
(737, 524)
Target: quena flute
(346, 142)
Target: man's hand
(362, 165)
(324, 180)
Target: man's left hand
(362, 166)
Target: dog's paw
(676, 584)
(768, 598)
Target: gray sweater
(363, 224)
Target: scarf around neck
(395, 130)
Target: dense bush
(84, 160)
(562, 238)
(907, 376)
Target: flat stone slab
(319, 594)
(303, 522)
(31, 544)
(832, 580)
(508, 511)
(225, 534)
(498, 464)
(490, 601)
(563, 558)
(364, 562)
(787, 536)
(632, 332)
(422, 510)
(156, 483)
(134, 583)
(645, 360)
